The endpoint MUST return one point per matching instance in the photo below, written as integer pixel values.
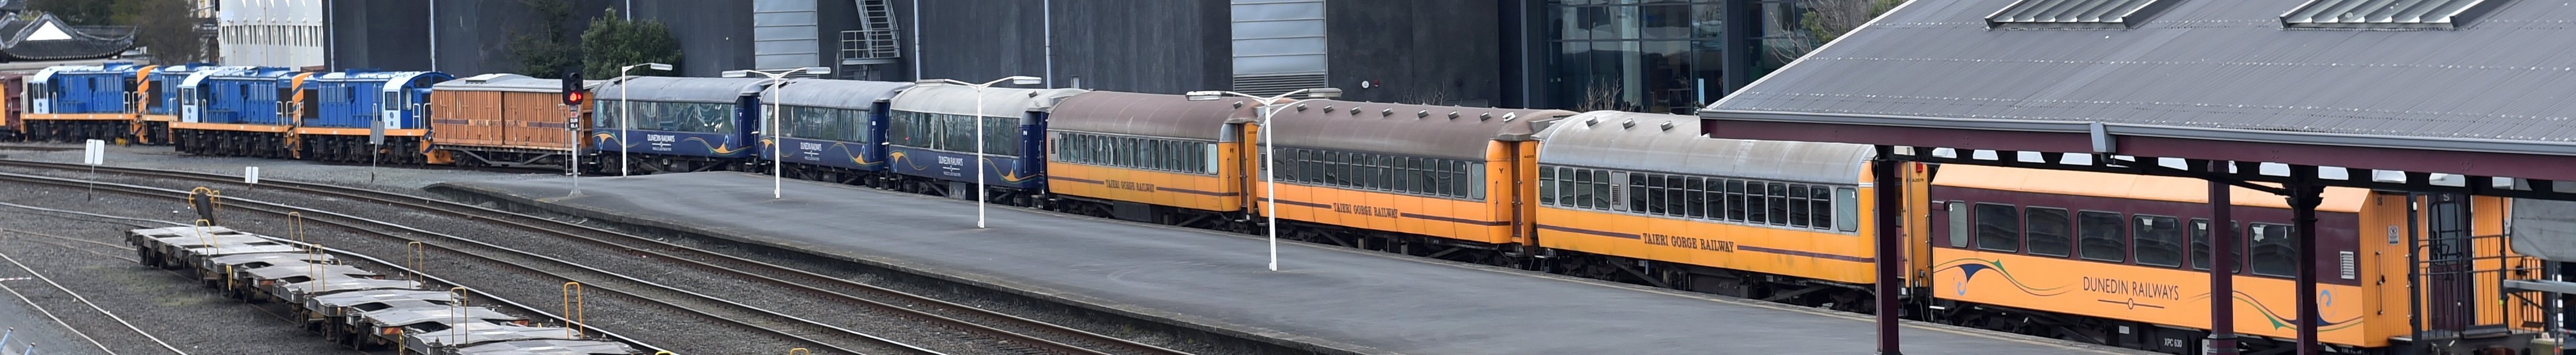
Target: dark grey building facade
(1638, 55)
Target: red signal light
(576, 97)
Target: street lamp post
(1270, 174)
(979, 131)
(777, 80)
(625, 117)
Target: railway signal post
(572, 99)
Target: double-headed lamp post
(777, 81)
(1269, 173)
(979, 131)
(625, 116)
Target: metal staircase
(874, 42)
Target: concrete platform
(1335, 300)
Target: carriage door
(2446, 260)
(188, 102)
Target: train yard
(692, 300)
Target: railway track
(1019, 335)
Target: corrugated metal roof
(1403, 129)
(673, 89)
(848, 94)
(1152, 115)
(1672, 144)
(2076, 13)
(2387, 14)
(2202, 65)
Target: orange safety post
(574, 307)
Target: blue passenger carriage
(932, 137)
(679, 124)
(75, 102)
(830, 129)
(349, 105)
(240, 112)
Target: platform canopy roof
(2488, 93)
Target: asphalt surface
(1335, 298)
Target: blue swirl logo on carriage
(999, 170)
(838, 154)
(718, 145)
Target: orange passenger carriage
(1151, 158)
(2092, 254)
(1416, 179)
(1634, 196)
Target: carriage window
(1777, 203)
(1582, 193)
(1475, 180)
(1798, 205)
(1695, 198)
(1546, 186)
(1602, 191)
(2200, 246)
(1716, 199)
(1820, 207)
(1566, 187)
(1654, 195)
(1958, 224)
(2275, 253)
(2047, 230)
(1636, 192)
(1674, 201)
(2104, 236)
(1846, 209)
(2159, 240)
(1998, 227)
(1739, 208)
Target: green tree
(1829, 19)
(79, 12)
(170, 31)
(544, 52)
(613, 42)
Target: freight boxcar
(830, 129)
(351, 105)
(932, 134)
(240, 112)
(680, 124)
(78, 102)
(501, 120)
(12, 107)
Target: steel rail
(1063, 340)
